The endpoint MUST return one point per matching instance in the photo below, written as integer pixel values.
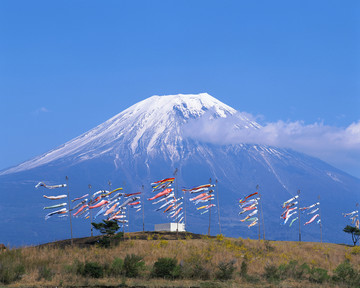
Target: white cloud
(41, 110)
(335, 145)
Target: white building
(170, 227)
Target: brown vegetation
(54, 264)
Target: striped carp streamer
(61, 211)
(42, 184)
(109, 211)
(250, 215)
(55, 197)
(101, 211)
(129, 201)
(163, 193)
(247, 197)
(249, 208)
(162, 186)
(249, 202)
(166, 198)
(157, 183)
(82, 197)
(177, 212)
(312, 219)
(292, 221)
(98, 193)
(350, 214)
(101, 203)
(253, 223)
(163, 205)
(290, 200)
(132, 194)
(203, 199)
(309, 207)
(313, 211)
(198, 189)
(56, 206)
(116, 196)
(80, 209)
(113, 191)
(79, 204)
(134, 203)
(198, 197)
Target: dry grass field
(202, 260)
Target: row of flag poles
(310, 213)
(251, 210)
(353, 216)
(114, 204)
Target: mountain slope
(147, 142)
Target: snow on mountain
(153, 124)
(147, 141)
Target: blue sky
(67, 66)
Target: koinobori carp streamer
(42, 184)
(55, 197)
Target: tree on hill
(107, 227)
(355, 233)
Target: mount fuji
(147, 142)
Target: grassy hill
(191, 260)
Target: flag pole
(209, 212)
(262, 217)
(320, 220)
(68, 193)
(125, 214)
(143, 207)
(91, 219)
(185, 209)
(257, 191)
(217, 194)
(177, 225)
(357, 220)
(298, 192)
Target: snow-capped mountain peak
(150, 125)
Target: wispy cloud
(40, 111)
(339, 146)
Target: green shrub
(293, 270)
(166, 268)
(11, 267)
(133, 265)
(318, 275)
(10, 273)
(345, 273)
(90, 269)
(104, 242)
(225, 270)
(44, 273)
(117, 267)
(243, 269)
(193, 268)
(271, 273)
